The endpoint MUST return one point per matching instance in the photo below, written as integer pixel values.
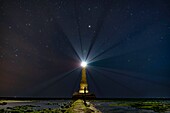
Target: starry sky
(125, 42)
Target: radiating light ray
(64, 34)
(50, 82)
(110, 48)
(107, 6)
(26, 47)
(77, 81)
(78, 26)
(133, 50)
(149, 25)
(59, 29)
(70, 44)
(133, 92)
(120, 73)
(55, 81)
(98, 90)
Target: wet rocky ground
(38, 106)
(105, 106)
(150, 106)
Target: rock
(63, 110)
(3, 103)
(2, 110)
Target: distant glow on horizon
(83, 64)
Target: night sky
(125, 42)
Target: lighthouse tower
(83, 91)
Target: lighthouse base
(87, 96)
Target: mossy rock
(3, 103)
(16, 111)
(160, 108)
(79, 107)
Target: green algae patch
(21, 109)
(148, 105)
(155, 106)
(28, 109)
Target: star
(28, 24)
(46, 46)
(2, 56)
(51, 19)
(131, 14)
(16, 49)
(9, 27)
(129, 60)
(149, 59)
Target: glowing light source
(83, 64)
